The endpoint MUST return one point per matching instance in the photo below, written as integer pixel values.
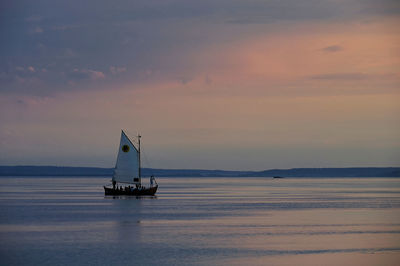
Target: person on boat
(114, 183)
(152, 180)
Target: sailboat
(127, 172)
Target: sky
(221, 84)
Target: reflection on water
(202, 221)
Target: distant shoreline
(294, 172)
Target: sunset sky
(240, 85)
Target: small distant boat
(278, 176)
(128, 172)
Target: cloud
(69, 53)
(115, 70)
(123, 41)
(332, 48)
(341, 76)
(66, 54)
(29, 69)
(36, 30)
(33, 100)
(185, 80)
(65, 27)
(86, 74)
(34, 18)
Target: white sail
(127, 166)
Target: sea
(201, 221)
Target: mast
(140, 170)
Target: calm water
(201, 221)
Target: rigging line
(147, 163)
(134, 140)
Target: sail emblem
(125, 148)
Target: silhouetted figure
(152, 181)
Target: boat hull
(134, 192)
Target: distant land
(294, 172)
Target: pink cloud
(79, 74)
(115, 70)
(283, 62)
(95, 75)
(36, 30)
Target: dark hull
(134, 192)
